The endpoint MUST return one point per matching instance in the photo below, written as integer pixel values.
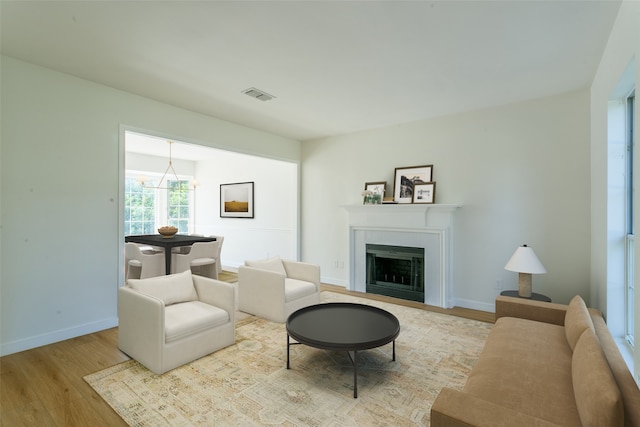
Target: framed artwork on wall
(424, 193)
(406, 178)
(236, 200)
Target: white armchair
(275, 288)
(167, 321)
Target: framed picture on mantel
(405, 180)
(424, 193)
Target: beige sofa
(544, 364)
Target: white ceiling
(335, 67)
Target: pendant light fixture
(169, 168)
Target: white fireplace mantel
(404, 215)
(416, 225)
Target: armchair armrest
(529, 309)
(140, 324)
(453, 408)
(216, 293)
(303, 271)
(259, 290)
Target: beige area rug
(228, 276)
(247, 384)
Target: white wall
(145, 163)
(60, 189)
(520, 171)
(274, 228)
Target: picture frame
(237, 200)
(424, 193)
(405, 179)
(376, 188)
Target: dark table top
(534, 296)
(343, 326)
(167, 242)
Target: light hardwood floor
(44, 386)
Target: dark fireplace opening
(395, 271)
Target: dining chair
(220, 240)
(184, 249)
(201, 260)
(140, 264)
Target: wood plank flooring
(467, 313)
(44, 387)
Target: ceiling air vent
(258, 94)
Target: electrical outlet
(499, 284)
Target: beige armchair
(167, 321)
(275, 288)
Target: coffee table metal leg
(355, 374)
(394, 351)
(288, 345)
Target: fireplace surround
(428, 227)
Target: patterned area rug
(248, 384)
(228, 276)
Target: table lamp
(525, 262)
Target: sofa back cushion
(576, 321)
(171, 289)
(271, 264)
(597, 395)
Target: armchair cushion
(183, 320)
(172, 289)
(576, 321)
(295, 289)
(271, 264)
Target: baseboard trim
(334, 281)
(56, 336)
(475, 305)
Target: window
(178, 210)
(630, 270)
(146, 209)
(139, 208)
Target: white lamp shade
(524, 260)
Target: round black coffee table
(343, 327)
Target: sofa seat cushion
(526, 366)
(183, 320)
(295, 289)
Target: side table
(534, 296)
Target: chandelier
(167, 171)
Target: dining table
(167, 243)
